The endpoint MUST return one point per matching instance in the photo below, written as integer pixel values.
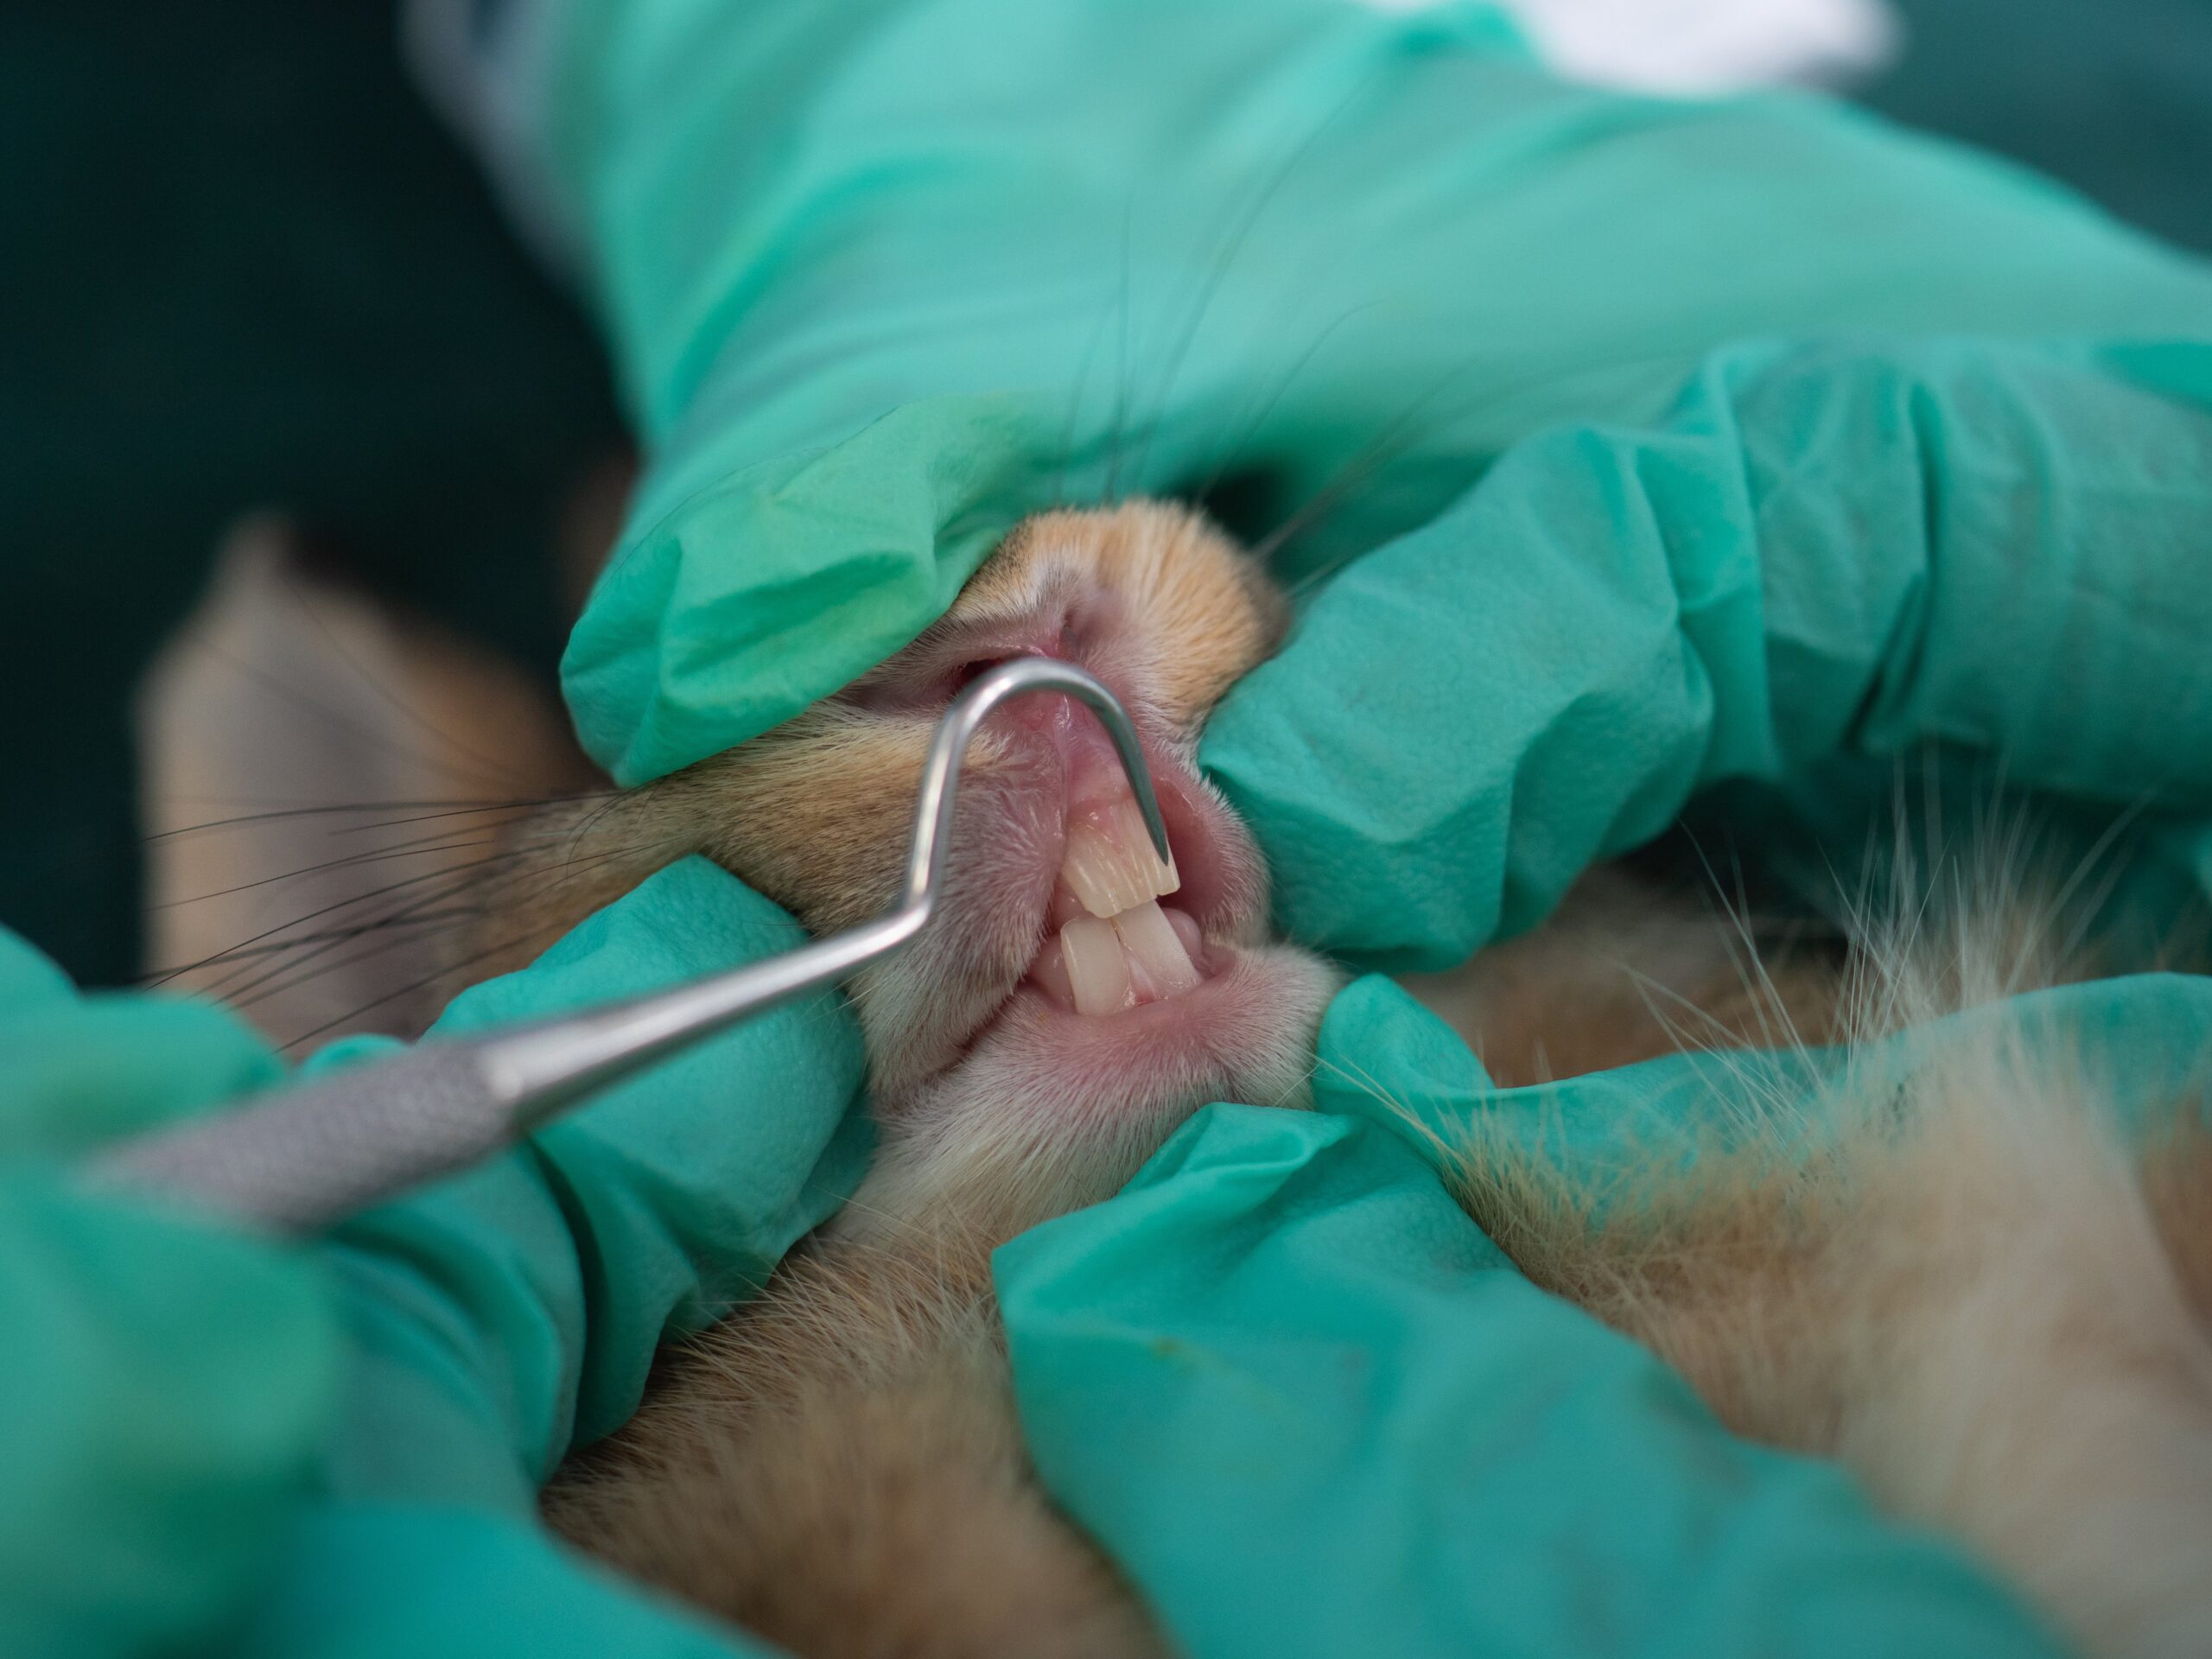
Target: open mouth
(1103, 964)
(1111, 945)
(1123, 932)
(1107, 988)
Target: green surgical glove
(881, 278)
(167, 1379)
(1310, 1409)
(508, 1313)
(223, 1444)
(1824, 552)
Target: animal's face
(1073, 1001)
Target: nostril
(1044, 712)
(968, 672)
(931, 673)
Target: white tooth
(1110, 864)
(1097, 975)
(1099, 873)
(1159, 879)
(1159, 966)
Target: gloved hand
(869, 277)
(496, 1319)
(1310, 1409)
(225, 1443)
(168, 1379)
(1822, 552)
(879, 279)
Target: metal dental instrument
(309, 1156)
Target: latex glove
(510, 1312)
(167, 1379)
(881, 278)
(367, 1580)
(1824, 553)
(1309, 1409)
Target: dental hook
(309, 1156)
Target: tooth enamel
(1159, 966)
(1098, 976)
(1110, 864)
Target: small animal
(1968, 1290)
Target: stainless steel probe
(305, 1157)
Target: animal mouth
(1084, 953)
(1111, 945)
(1124, 930)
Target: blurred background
(304, 467)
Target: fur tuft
(1939, 1263)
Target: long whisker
(1402, 431)
(289, 977)
(329, 809)
(239, 983)
(270, 932)
(428, 979)
(275, 947)
(1240, 230)
(1247, 430)
(1122, 369)
(488, 766)
(420, 847)
(270, 681)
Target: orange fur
(838, 1468)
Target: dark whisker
(412, 916)
(422, 846)
(154, 975)
(337, 807)
(1059, 494)
(1121, 368)
(490, 768)
(1250, 428)
(510, 944)
(276, 684)
(1240, 230)
(507, 806)
(413, 986)
(1386, 445)
(270, 932)
(235, 988)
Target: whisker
(273, 947)
(421, 847)
(502, 806)
(1386, 445)
(1121, 373)
(489, 768)
(232, 992)
(270, 932)
(270, 681)
(337, 807)
(1227, 249)
(425, 981)
(1250, 428)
